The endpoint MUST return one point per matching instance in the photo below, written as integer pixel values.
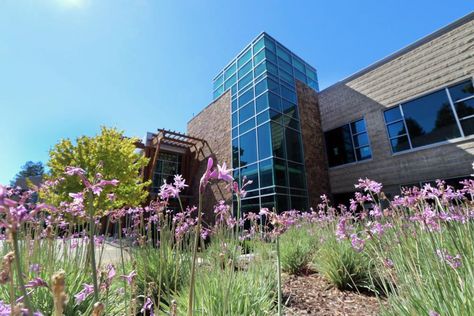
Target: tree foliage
(112, 155)
(28, 170)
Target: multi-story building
(407, 119)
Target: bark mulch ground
(311, 294)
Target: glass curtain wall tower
(266, 135)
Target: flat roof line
(443, 30)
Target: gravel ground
(313, 295)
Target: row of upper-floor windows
(436, 117)
(439, 116)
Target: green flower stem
(278, 275)
(122, 260)
(92, 246)
(193, 267)
(19, 272)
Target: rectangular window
(348, 143)
(462, 96)
(230, 71)
(244, 58)
(431, 119)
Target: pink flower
(179, 182)
(82, 295)
(148, 306)
(208, 175)
(129, 277)
(223, 173)
(369, 186)
(36, 282)
(357, 243)
(71, 171)
(453, 262)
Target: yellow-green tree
(112, 155)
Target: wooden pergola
(174, 142)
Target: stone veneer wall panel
(313, 143)
(214, 126)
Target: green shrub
(223, 292)
(297, 246)
(342, 266)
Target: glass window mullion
(352, 141)
(406, 127)
(456, 118)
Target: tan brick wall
(313, 143)
(444, 60)
(213, 125)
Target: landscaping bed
(311, 294)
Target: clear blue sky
(69, 66)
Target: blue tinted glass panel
(361, 140)
(235, 153)
(217, 94)
(275, 101)
(264, 141)
(261, 102)
(245, 80)
(259, 57)
(244, 58)
(263, 117)
(245, 68)
(270, 56)
(396, 129)
(260, 69)
(247, 125)
(300, 76)
(234, 90)
(296, 175)
(230, 71)
(311, 74)
(246, 97)
(283, 54)
(230, 82)
(363, 153)
(400, 144)
(430, 119)
(272, 68)
(234, 105)
(280, 175)
(468, 126)
(289, 108)
(235, 132)
(313, 84)
(299, 64)
(287, 77)
(288, 94)
(266, 173)
(358, 127)
(261, 87)
(259, 45)
(278, 140)
(235, 120)
(293, 145)
(284, 65)
(465, 108)
(219, 80)
(246, 112)
(275, 116)
(392, 115)
(270, 44)
(248, 148)
(461, 91)
(272, 86)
